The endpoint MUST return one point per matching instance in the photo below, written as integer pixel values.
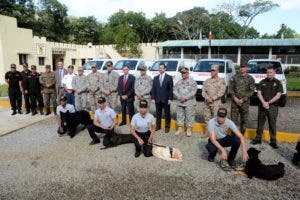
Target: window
(260, 67)
(23, 58)
(73, 61)
(88, 65)
(170, 64)
(82, 62)
(205, 66)
(130, 63)
(41, 61)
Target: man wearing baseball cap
(80, 87)
(224, 133)
(63, 107)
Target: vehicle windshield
(205, 66)
(121, 63)
(170, 64)
(260, 67)
(88, 65)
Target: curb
(201, 127)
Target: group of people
(80, 92)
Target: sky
(288, 12)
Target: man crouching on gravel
(224, 133)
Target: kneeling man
(63, 107)
(224, 133)
(105, 120)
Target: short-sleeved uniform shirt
(105, 117)
(68, 107)
(221, 130)
(14, 78)
(269, 88)
(142, 124)
(67, 80)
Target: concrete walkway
(9, 123)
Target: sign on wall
(41, 49)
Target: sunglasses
(183, 72)
(213, 70)
(93, 67)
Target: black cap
(33, 67)
(222, 112)
(109, 63)
(101, 100)
(63, 98)
(143, 103)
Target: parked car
(132, 63)
(100, 64)
(201, 72)
(257, 68)
(173, 65)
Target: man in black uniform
(33, 88)
(25, 73)
(268, 92)
(14, 80)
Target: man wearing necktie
(126, 93)
(59, 75)
(162, 96)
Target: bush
(3, 90)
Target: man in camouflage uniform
(268, 92)
(185, 91)
(241, 89)
(213, 89)
(79, 85)
(94, 83)
(47, 80)
(142, 87)
(109, 86)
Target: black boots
(42, 111)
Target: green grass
(3, 90)
(293, 84)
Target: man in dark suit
(162, 96)
(59, 75)
(126, 93)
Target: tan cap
(214, 67)
(79, 68)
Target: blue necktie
(160, 80)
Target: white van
(132, 63)
(100, 64)
(257, 68)
(173, 65)
(201, 72)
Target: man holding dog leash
(224, 133)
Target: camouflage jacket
(47, 80)
(80, 83)
(94, 80)
(109, 82)
(186, 89)
(143, 86)
(214, 87)
(242, 87)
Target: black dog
(70, 121)
(255, 168)
(113, 139)
(296, 158)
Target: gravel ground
(37, 164)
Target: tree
(188, 24)
(84, 30)
(22, 10)
(249, 11)
(127, 41)
(285, 32)
(52, 21)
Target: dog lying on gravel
(255, 168)
(166, 152)
(70, 121)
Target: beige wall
(15, 41)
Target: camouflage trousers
(187, 114)
(211, 110)
(81, 101)
(240, 113)
(50, 97)
(112, 100)
(270, 114)
(93, 99)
